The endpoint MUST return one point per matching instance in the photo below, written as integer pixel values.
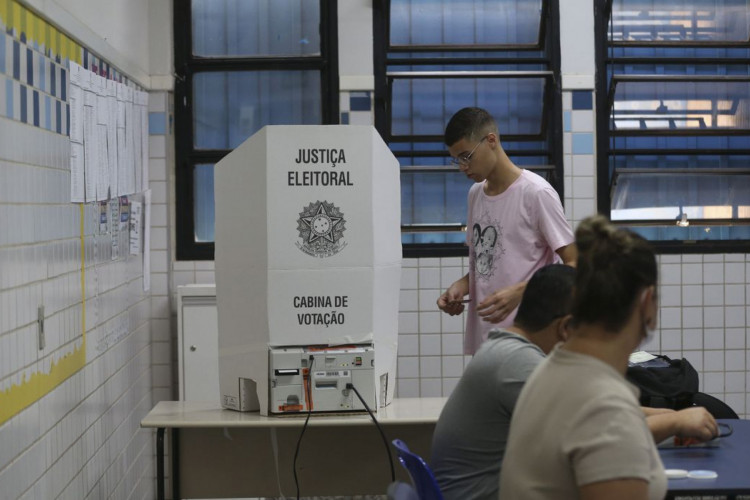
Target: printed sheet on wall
(108, 138)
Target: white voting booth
(308, 264)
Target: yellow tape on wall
(19, 396)
(30, 389)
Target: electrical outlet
(40, 327)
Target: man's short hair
(548, 296)
(469, 123)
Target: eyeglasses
(466, 159)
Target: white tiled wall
(161, 152)
(430, 350)
(82, 439)
(705, 303)
(70, 409)
(704, 314)
(579, 154)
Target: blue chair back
(420, 473)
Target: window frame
(604, 97)
(188, 65)
(551, 122)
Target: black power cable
(307, 419)
(380, 429)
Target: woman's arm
(618, 489)
(695, 422)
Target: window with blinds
(434, 57)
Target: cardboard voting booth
(308, 264)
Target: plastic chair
(401, 491)
(420, 473)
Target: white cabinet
(198, 343)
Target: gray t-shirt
(578, 422)
(472, 431)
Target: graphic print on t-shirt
(487, 243)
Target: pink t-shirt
(510, 236)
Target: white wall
(577, 40)
(160, 43)
(81, 439)
(355, 34)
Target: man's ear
(649, 306)
(563, 326)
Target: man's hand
(451, 301)
(691, 425)
(696, 422)
(497, 306)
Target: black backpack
(673, 383)
(669, 383)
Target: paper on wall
(136, 127)
(144, 139)
(108, 136)
(111, 106)
(77, 165)
(135, 227)
(90, 145)
(124, 213)
(103, 216)
(124, 170)
(99, 86)
(129, 130)
(147, 240)
(75, 100)
(77, 183)
(114, 226)
(102, 190)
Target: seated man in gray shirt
(472, 432)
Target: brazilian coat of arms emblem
(321, 228)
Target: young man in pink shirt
(515, 225)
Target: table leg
(175, 436)
(160, 463)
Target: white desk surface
(192, 414)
